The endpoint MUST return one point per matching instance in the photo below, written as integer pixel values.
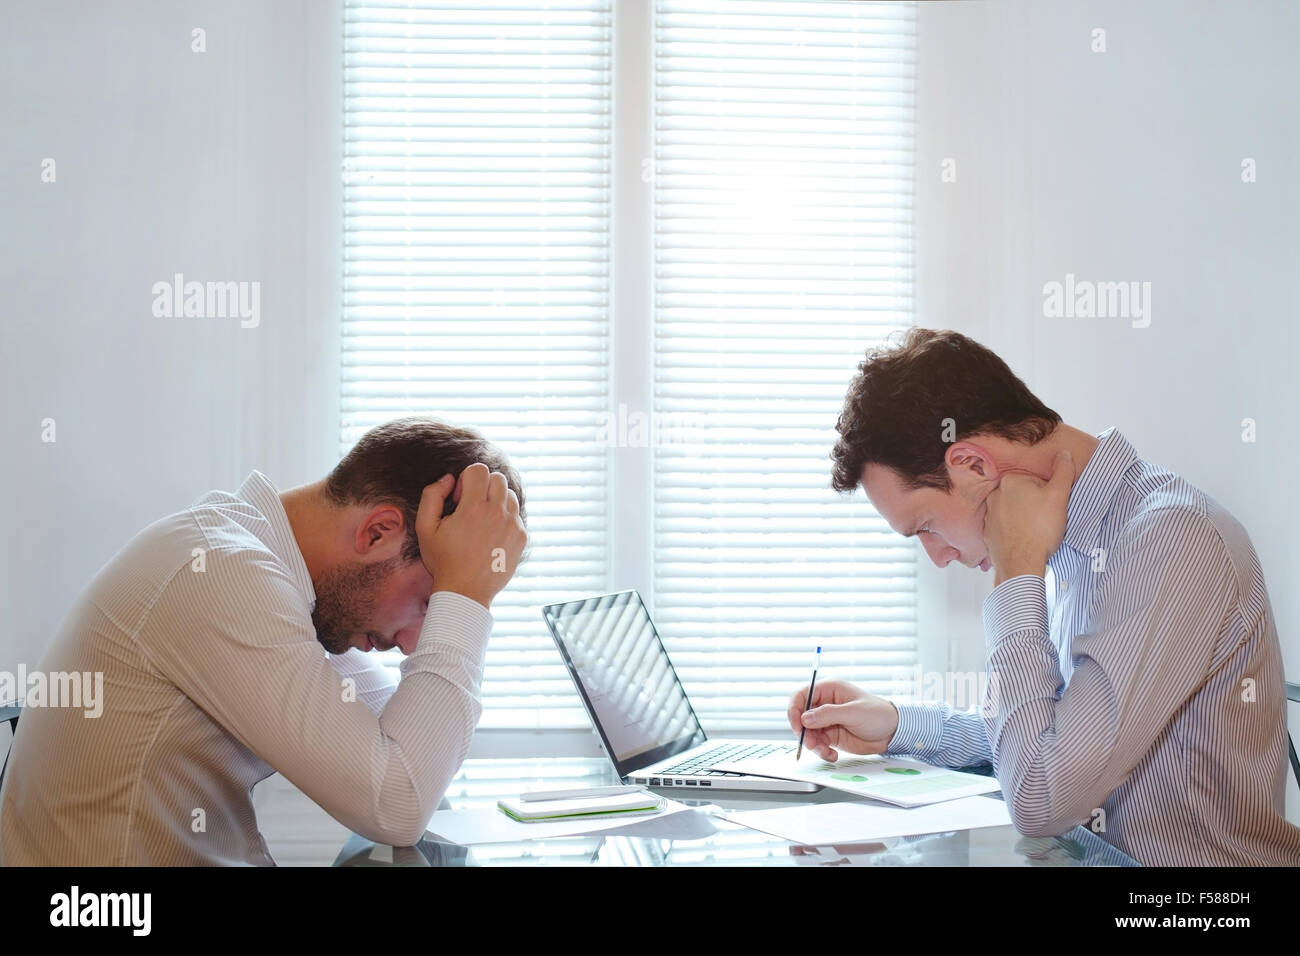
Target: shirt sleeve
(941, 735)
(371, 680)
(1157, 613)
(238, 640)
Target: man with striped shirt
(233, 639)
(1139, 687)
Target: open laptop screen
(627, 683)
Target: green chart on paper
(895, 779)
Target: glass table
(703, 838)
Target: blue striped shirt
(1138, 689)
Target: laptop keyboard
(699, 764)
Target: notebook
(628, 804)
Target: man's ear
(382, 528)
(967, 458)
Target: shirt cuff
(456, 621)
(1016, 606)
(920, 730)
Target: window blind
(783, 151)
(476, 276)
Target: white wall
(223, 165)
(1126, 165)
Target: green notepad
(536, 811)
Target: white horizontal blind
(477, 217)
(783, 234)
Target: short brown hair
(393, 462)
(904, 394)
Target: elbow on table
(405, 830)
(407, 835)
(1039, 826)
(1043, 821)
(1032, 819)
(406, 822)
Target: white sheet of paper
(901, 781)
(491, 825)
(825, 824)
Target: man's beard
(345, 603)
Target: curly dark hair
(909, 393)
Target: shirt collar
(1095, 489)
(258, 491)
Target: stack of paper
(825, 824)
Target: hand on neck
(1037, 459)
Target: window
(648, 281)
(477, 277)
(782, 221)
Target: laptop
(638, 706)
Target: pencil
(816, 663)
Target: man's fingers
(474, 482)
(796, 707)
(818, 743)
(826, 715)
(512, 502)
(835, 692)
(432, 499)
(497, 488)
(822, 742)
(1062, 471)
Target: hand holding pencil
(834, 715)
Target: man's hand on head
(1025, 519)
(475, 550)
